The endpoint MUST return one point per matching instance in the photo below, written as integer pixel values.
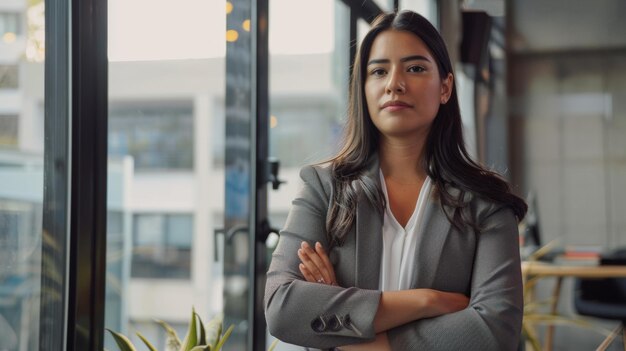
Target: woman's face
(402, 85)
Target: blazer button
(318, 325)
(347, 322)
(333, 323)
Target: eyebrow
(404, 59)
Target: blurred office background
(543, 95)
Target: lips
(395, 105)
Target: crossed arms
(408, 319)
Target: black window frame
(75, 172)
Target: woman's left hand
(316, 266)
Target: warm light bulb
(273, 121)
(232, 35)
(229, 7)
(246, 25)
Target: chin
(403, 130)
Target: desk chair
(604, 298)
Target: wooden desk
(560, 271)
(540, 269)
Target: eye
(416, 69)
(378, 72)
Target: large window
(162, 246)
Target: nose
(395, 83)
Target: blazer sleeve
(493, 319)
(312, 314)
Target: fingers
(313, 264)
(316, 265)
(306, 273)
(319, 249)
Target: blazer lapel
(368, 236)
(431, 238)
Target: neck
(401, 160)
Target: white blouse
(398, 262)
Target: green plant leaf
(224, 337)
(191, 339)
(122, 341)
(202, 348)
(173, 341)
(145, 341)
(214, 331)
(202, 339)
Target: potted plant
(198, 337)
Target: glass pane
(21, 181)
(306, 111)
(308, 93)
(166, 147)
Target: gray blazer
(485, 266)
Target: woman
(400, 241)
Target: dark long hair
(446, 159)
